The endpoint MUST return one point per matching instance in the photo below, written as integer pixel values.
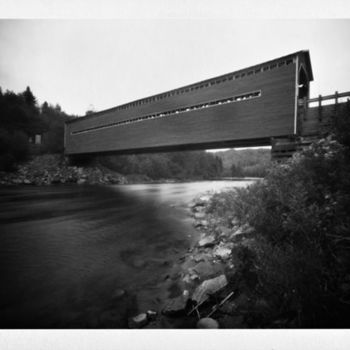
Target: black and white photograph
(167, 170)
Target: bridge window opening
(303, 84)
(179, 111)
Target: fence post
(336, 103)
(320, 108)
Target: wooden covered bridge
(255, 106)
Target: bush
(14, 148)
(301, 218)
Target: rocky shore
(55, 169)
(211, 289)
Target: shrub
(300, 214)
(14, 148)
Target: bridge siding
(245, 120)
(319, 119)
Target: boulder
(209, 287)
(235, 222)
(176, 305)
(207, 322)
(207, 269)
(224, 231)
(223, 251)
(201, 257)
(207, 241)
(199, 215)
(151, 315)
(245, 229)
(201, 201)
(138, 321)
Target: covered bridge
(248, 107)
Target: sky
(85, 64)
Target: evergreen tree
(29, 98)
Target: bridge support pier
(284, 147)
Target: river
(68, 251)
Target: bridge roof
(304, 54)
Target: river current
(67, 251)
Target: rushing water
(66, 251)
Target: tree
(29, 98)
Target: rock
(81, 181)
(151, 315)
(203, 223)
(222, 252)
(187, 279)
(207, 269)
(176, 305)
(235, 222)
(200, 215)
(224, 231)
(118, 293)
(206, 241)
(138, 321)
(245, 229)
(209, 287)
(201, 201)
(27, 182)
(207, 322)
(201, 257)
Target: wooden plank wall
(318, 120)
(263, 117)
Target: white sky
(103, 63)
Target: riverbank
(211, 290)
(54, 169)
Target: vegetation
(246, 162)
(21, 118)
(174, 165)
(299, 251)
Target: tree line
(21, 118)
(173, 165)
